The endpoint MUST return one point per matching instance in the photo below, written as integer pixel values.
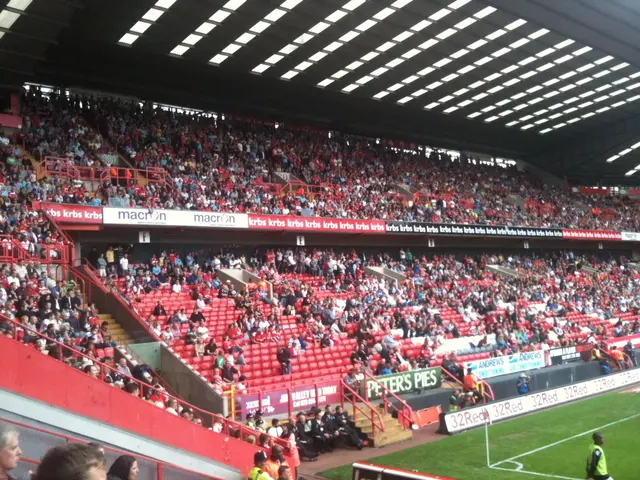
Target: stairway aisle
(118, 333)
(394, 431)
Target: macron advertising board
(151, 217)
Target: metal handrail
(487, 390)
(356, 408)
(404, 413)
(227, 425)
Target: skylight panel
(442, 63)
(586, 67)
(244, 38)
(426, 71)
(419, 92)
(457, 4)
(440, 14)
(534, 89)
(218, 59)
(350, 88)
(518, 96)
(544, 67)
(316, 57)
(421, 25)
(366, 25)
(141, 27)
(153, 14)
(384, 13)
(619, 66)
(511, 124)
(431, 105)
(477, 84)
(401, 37)
(484, 12)
(602, 60)
(462, 91)
(545, 52)
(502, 51)
(601, 73)
(460, 53)
(509, 69)
(354, 65)
(465, 23)
(498, 33)
(379, 71)
(234, 4)
(370, 56)
(206, 27)
(495, 89)
(550, 82)
(128, 38)
(538, 33)
(474, 114)
(529, 74)
(482, 61)
(564, 43)
(450, 77)
(380, 95)
(480, 96)
(519, 43)
(446, 33)
(335, 16)
(546, 130)
(347, 37)
(451, 109)
(410, 79)
(405, 100)
(395, 87)
(428, 43)
(551, 94)
(287, 49)
(563, 59)
(317, 28)
(581, 51)
(466, 69)
(326, 82)
(477, 44)
(617, 104)
(219, 16)
(181, 49)
(401, 3)
(364, 80)
(582, 81)
(465, 103)
(160, 3)
(411, 53)
(492, 77)
(333, 46)
(513, 81)
(491, 119)
(353, 4)
(434, 85)
(231, 48)
(386, 46)
(527, 61)
(395, 62)
(501, 103)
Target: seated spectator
(72, 460)
(124, 468)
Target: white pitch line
(546, 475)
(566, 440)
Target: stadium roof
(553, 82)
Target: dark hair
(70, 461)
(121, 467)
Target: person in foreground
(124, 468)
(259, 465)
(72, 461)
(9, 450)
(596, 461)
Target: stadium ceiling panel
(456, 57)
(513, 74)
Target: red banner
(595, 235)
(315, 224)
(68, 213)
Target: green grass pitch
(548, 444)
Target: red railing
(405, 412)
(11, 250)
(145, 390)
(160, 475)
(487, 393)
(62, 167)
(352, 397)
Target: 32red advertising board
(315, 224)
(69, 213)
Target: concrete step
(118, 333)
(389, 438)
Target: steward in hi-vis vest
(596, 461)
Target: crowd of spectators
(232, 165)
(332, 298)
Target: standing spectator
(72, 461)
(9, 450)
(124, 468)
(284, 358)
(275, 462)
(630, 351)
(284, 473)
(522, 385)
(259, 463)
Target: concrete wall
(504, 271)
(40, 415)
(189, 385)
(240, 278)
(149, 353)
(385, 274)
